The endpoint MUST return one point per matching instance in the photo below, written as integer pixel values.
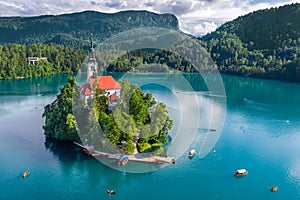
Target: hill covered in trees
(264, 44)
(60, 59)
(74, 29)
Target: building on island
(109, 86)
(34, 60)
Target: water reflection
(33, 86)
(294, 172)
(263, 91)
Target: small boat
(192, 153)
(25, 174)
(111, 191)
(274, 188)
(123, 160)
(241, 172)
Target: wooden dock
(135, 157)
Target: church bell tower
(92, 63)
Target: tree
(66, 127)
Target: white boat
(111, 191)
(241, 172)
(192, 153)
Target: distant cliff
(74, 29)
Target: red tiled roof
(113, 97)
(86, 90)
(106, 82)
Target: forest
(60, 59)
(142, 60)
(137, 118)
(262, 44)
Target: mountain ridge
(261, 44)
(77, 27)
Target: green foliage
(263, 44)
(129, 147)
(60, 59)
(144, 147)
(60, 122)
(131, 118)
(157, 149)
(160, 124)
(125, 122)
(269, 28)
(101, 102)
(143, 60)
(74, 29)
(138, 107)
(136, 115)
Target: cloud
(200, 27)
(206, 16)
(176, 7)
(196, 16)
(114, 4)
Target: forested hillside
(60, 59)
(265, 44)
(74, 29)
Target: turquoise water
(261, 133)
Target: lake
(261, 133)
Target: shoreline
(279, 79)
(135, 157)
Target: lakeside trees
(141, 60)
(60, 123)
(60, 59)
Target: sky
(196, 17)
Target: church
(109, 86)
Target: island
(108, 116)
